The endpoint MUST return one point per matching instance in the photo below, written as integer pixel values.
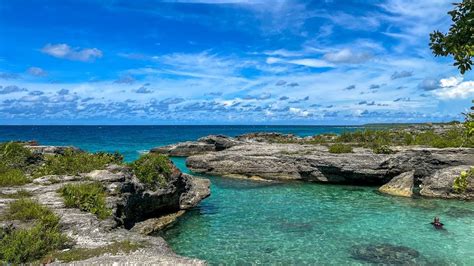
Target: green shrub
(26, 210)
(11, 176)
(462, 181)
(29, 244)
(382, 149)
(14, 155)
(152, 169)
(89, 197)
(340, 148)
(76, 162)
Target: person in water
(437, 224)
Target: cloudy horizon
(227, 62)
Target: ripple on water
(245, 222)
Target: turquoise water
(245, 222)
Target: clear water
(245, 222)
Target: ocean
(246, 222)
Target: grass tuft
(29, 244)
(89, 197)
(152, 169)
(340, 148)
(76, 162)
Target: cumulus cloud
(351, 87)
(11, 89)
(280, 83)
(63, 92)
(401, 74)
(36, 93)
(37, 72)
(347, 56)
(429, 84)
(455, 87)
(284, 98)
(65, 51)
(144, 89)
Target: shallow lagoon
(299, 223)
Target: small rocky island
(60, 204)
(401, 161)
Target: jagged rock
(315, 163)
(268, 137)
(202, 145)
(197, 189)
(130, 202)
(401, 185)
(440, 184)
(154, 225)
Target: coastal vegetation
(89, 197)
(152, 169)
(14, 160)
(40, 235)
(461, 182)
(75, 162)
(340, 148)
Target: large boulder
(401, 185)
(202, 145)
(440, 184)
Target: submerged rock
(385, 254)
(401, 185)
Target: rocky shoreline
(409, 170)
(136, 211)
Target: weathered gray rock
(267, 156)
(202, 145)
(401, 185)
(131, 203)
(440, 184)
(154, 225)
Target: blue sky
(226, 62)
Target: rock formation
(258, 156)
(130, 202)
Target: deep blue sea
(246, 222)
(132, 140)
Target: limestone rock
(401, 185)
(154, 225)
(440, 184)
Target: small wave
(143, 151)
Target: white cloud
(310, 62)
(64, 51)
(36, 71)
(347, 56)
(455, 88)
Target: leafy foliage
(28, 244)
(469, 123)
(152, 169)
(75, 162)
(11, 176)
(340, 148)
(459, 41)
(382, 149)
(89, 197)
(14, 155)
(462, 181)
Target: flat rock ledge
(273, 156)
(131, 204)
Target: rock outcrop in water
(267, 156)
(131, 203)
